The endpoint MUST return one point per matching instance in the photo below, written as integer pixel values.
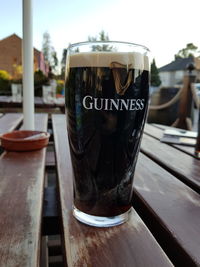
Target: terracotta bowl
(24, 140)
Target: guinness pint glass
(106, 91)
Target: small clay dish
(24, 140)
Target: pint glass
(106, 91)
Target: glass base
(100, 221)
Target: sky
(164, 27)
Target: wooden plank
(38, 101)
(9, 122)
(153, 131)
(157, 132)
(130, 244)
(5, 99)
(54, 245)
(187, 149)
(50, 159)
(180, 164)
(44, 252)
(21, 196)
(174, 209)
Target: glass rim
(73, 45)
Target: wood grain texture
(21, 195)
(130, 244)
(9, 122)
(157, 132)
(184, 166)
(50, 159)
(153, 131)
(176, 206)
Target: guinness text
(90, 102)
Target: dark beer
(106, 105)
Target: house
(11, 55)
(172, 73)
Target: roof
(14, 35)
(178, 64)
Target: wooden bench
(21, 198)
(180, 164)
(7, 105)
(9, 122)
(164, 226)
(156, 131)
(170, 208)
(130, 244)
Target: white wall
(165, 78)
(179, 75)
(171, 78)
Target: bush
(39, 80)
(5, 88)
(4, 75)
(60, 86)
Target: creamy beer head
(130, 60)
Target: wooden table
(163, 229)
(6, 104)
(21, 197)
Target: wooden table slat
(157, 132)
(180, 164)
(9, 122)
(175, 206)
(50, 159)
(21, 196)
(130, 244)
(5, 99)
(6, 102)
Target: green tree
(39, 80)
(46, 45)
(54, 58)
(63, 62)
(4, 75)
(5, 78)
(155, 78)
(190, 50)
(50, 55)
(101, 37)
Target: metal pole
(27, 59)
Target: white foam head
(133, 60)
